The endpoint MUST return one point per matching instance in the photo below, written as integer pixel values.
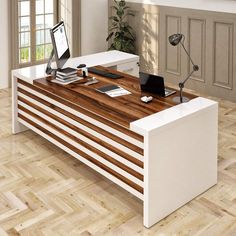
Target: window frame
(15, 33)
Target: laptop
(154, 84)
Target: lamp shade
(175, 39)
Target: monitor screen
(60, 44)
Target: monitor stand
(49, 70)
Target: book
(107, 88)
(66, 77)
(66, 82)
(67, 71)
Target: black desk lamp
(174, 40)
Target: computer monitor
(60, 44)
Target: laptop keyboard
(169, 92)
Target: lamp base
(177, 99)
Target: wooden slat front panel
(82, 110)
(81, 131)
(82, 121)
(135, 189)
(66, 112)
(119, 158)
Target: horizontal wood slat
(81, 121)
(124, 128)
(81, 142)
(79, 152)
(84, 133)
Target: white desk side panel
(180, 156)
(17, 127)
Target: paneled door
(210, 38)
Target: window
(35, 18)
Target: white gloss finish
(17, 127)
(106, 59)
(225, 6)
(180, 156)
(131, 68)
(170, 116)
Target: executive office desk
(162, 153)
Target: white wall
(94, 26)
(4, 45)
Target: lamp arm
(183, 83)
(187, 54)
(195, 67)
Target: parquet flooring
(44, 191)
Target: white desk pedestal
(180, 156)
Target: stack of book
(67, 76)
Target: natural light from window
(35, 19)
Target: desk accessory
(146, 99)
(91, 80)
(80, 66)
(118, 92)
(174, 40)
(104, 73)
(84, 69)
(113, 90)
(85, 72)
(107, 88)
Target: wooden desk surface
(122, 110)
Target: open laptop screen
(152, 83)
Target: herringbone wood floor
(44, 191)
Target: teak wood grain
(83, 143)
(85, 123)
(80, 131)
(81, 104)
(121, 110)
(83, 154)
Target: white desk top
(107, 59)
(226, 6)
(161, 119)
